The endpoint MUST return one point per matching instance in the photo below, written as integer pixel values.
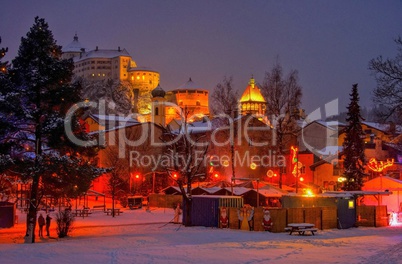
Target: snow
(140, 236)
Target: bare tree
(283, 96)
(187, 156)
(116, 183)
(224, 98)
(388, 93)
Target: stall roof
(358, 193)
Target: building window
(336, 168)
(198, 103)
(156, 111)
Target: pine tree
(7, 99)
(353, 146)
(40, 150)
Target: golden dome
(252, 93)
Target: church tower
(158, 106)
(252, 101)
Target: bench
(302, 231)
(97, 207)
(117, 211)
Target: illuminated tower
(252, 101)
(143, 81)
(158, 106)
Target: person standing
(48, 219)
(41, 223)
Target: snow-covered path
(146, 237)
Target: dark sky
(329, 42)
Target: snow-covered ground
(139, 236)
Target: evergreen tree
(353, 146)
(7, 99)
(40, 150)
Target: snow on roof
(383, 127)
(272, 192)
(142, 69)
(333, 125)
(189, 85)
(330, 150)
(354, 193)
(238, 190)
(106, 53)
(74, 46)
(113, 118)
(211, 189)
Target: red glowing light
(379, 166)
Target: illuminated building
(252, 101)
(158, 106)
(107, 64)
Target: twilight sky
(329, 42)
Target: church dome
(252, 93)
(158, 92)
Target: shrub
(64, 220)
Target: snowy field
(142, 237)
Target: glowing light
(225, 163)
(270, 173)
(309, 193)
(253, 166)
(216, 175)
(379, 166)
(297, 164)
(341, 179)
(301, 179)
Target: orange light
(175, 175)
(301, 179)
(137, 176)
(216, 175)
(253, 166)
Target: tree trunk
(33, 202)
(31, 216)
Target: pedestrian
(41, 223)
(48, 219)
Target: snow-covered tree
(353, 146)
(33, 109)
